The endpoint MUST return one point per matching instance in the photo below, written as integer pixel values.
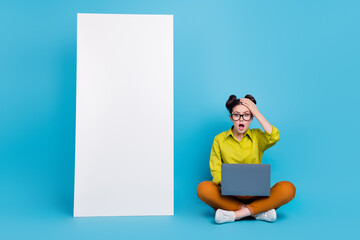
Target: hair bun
(230, 102)
(251, 98)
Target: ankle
(241, 213)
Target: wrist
(256, 114)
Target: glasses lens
(235, 117)
(247, 117)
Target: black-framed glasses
(237, 116)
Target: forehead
(240, 108)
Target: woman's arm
(271, 134)
(215, 161)
(264, 123)
(255, 111)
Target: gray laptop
(245, 179)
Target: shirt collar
(229, 132)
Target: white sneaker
(268, 216)
(223, 216)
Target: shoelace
(227, 214)
(263, 214)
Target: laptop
(245, 179)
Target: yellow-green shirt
(227, 149)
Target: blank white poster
(124, 115)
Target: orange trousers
(280, 194)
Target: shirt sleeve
(267, 140)
(215, 161)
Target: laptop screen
(245, 179)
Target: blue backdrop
(299, 59)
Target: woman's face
(240, 126)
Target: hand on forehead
(241, 108)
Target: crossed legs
(280, 194)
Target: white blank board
(124, 115)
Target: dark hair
(233, 101)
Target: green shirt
(227, 149)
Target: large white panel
(124, 115)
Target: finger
(247, 101)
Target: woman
(240, 144)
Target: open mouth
(241, 126)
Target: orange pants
(280, 194)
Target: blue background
(299, 59)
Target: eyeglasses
(237, 116)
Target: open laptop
(245, 179)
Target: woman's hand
(249, 104)
(254, 110)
